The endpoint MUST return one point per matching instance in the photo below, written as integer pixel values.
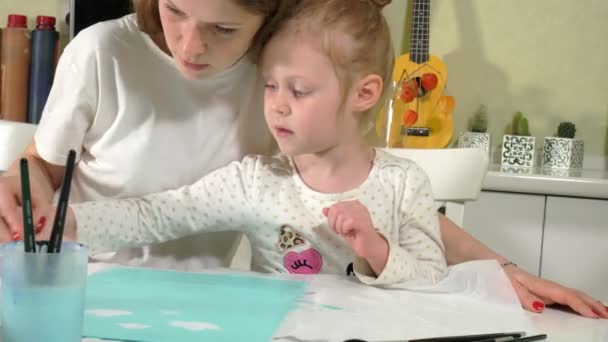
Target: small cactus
(479, 121)
(519, 126)
(515, 122)
(566, 130)
(522, 128)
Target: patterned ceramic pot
(516, 170)
(517, 150)
(474, 140)
(563, 153)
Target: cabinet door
(511, 224)
(575, 249)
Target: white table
(379, 315)
(559, 326)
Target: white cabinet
(509, 223)
(575, 244)
(564, 239)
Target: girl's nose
(281, 109)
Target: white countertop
(571, 183)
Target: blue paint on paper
(151, 305)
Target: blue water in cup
(43, 294)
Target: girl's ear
(367, 92)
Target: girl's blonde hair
(355, 36)
(274, 12)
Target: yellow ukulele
(418, 115)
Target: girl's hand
(352, 221)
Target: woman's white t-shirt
(138, 126)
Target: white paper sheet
(475, 297)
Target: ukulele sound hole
(421, 91)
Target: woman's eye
(173, 10)
(224, 30)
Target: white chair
(456, 176)
(14, 137)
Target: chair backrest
(14, 137)
(456, 174)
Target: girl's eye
(224, 30)
(269, 86)
(299, 93)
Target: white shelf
(570, 183)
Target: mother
(174, 87)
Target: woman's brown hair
(274, 11)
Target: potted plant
(477, 135)
(564, 151)
(518, 147)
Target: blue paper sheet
(150, 305)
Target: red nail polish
(606, 307)
(16, 236)
(538, 306)
(41, 222)
(40, 225)
(597, 314)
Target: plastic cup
(43, 294)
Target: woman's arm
(460, 246)
(46, 175)
(533, 292)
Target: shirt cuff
(89, 234)
(389, 275)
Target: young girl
(329, 199)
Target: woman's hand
(44, 179)
(69, 227)
(534, 293)
(352, 221)
(11, 214)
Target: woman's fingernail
(41, 222)
(40, 225)
(606, 307)
(538, 306)
(16, 236)
(597, 314)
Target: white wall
(547, 58)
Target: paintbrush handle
(29, 239)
